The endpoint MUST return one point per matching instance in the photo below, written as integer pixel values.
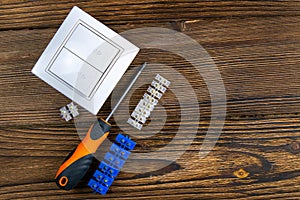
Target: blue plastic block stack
(112, 163)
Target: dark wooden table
(256, 47)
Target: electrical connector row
(111, 165)
(146, 105)
(69, 111)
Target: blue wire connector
(97, 187)
(125, 142)
(108, 170)
(113, 161)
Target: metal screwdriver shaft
(127, 90)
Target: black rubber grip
(75, 172)
(74, 166)
(99, 129)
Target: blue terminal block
(111, 165)
(97, 187)
(125, 142)
(103, 179)
(114, 160)
(108, 170)
(119, 151)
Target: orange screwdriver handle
(77, 163)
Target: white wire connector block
(134, 124)
(146, 105)
(142, 111)
(69, 111)
(150, 99)
(64, 113)
(139, 117)
(162, 80)
(158, 86)
(154, 92)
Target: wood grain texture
(33, 14)
(256, 48)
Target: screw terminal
(113, 161)
(69, 111)
(146, 105)
(162, 80)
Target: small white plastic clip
(162, 80)
(150, 99)
(139, 117)
(142, 111)
(134, 123)
(158, 86)
(145, 105)
(69, 111)
(154, 92)
(64, 113)
(73, 109)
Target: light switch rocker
(85, 60)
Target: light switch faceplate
(85, 60)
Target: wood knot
(241, 173)
(294, 147)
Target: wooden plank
(255, 45)
(258, 60)
(49, 13)
(267, 149)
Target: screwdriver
(77, 163)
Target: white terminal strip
(149, 101)
(69, 111)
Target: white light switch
(85, 60)
(92, 47)
(75, 72)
